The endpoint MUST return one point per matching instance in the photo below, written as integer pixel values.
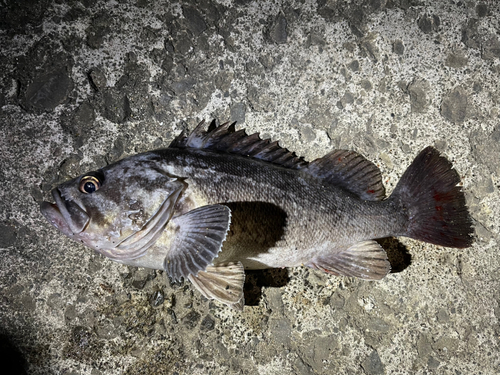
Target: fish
(217, 202)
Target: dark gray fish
(219, 201)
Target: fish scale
(334, 212)
(217, 202)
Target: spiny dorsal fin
(345, 169)
(350, 171)
(225, 138)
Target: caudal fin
(435, 205)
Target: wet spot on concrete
(238, 111)
(418, 90)
(116, 106)
(48, 90)
(373, 365)
(97, 79)
(491, 48)
(191, 319)
(482, 9)
(277, 31)
(8, 235)
(398, 47)
(195, 20)
(208, 323)
(354, 65)
(454, 105)
(428, 23)
(456, 59)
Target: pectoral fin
(366, 260)
(198, 239)
(223, 282)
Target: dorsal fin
(350, 171)
(225, 138)
(345, 169)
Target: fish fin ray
(179, 140)
(224, 138)
(223, 282)
(346, 169)
(365, 260)
(428, 192)
(350, 171)
(198, 240)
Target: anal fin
(222, 282)
(365, 260)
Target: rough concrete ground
(85, 83)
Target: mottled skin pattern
(133, 191)
(280, 217)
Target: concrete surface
(85, 83)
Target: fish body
(294, 216)
(217, 202)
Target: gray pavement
(86, 83)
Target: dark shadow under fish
(219, 201)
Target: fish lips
(65, 215)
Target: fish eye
(90, 184)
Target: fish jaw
(51, 212)
(67, 216)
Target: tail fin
(435, 205)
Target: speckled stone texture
(84, 83)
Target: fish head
(119, 210)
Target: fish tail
(435, 205)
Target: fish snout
(65, 215)
(54, 217)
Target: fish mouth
(67, 216)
